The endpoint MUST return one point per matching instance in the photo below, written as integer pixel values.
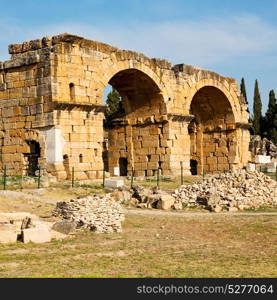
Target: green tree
(243, 89)
(114, 106)
(271, 118)
(243, 92)
(257, 110)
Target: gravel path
(195, 214)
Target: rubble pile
(142, 197)
(97, 213)
(234, 190)
(259, 146)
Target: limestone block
(8, 233)
(251, 167)
(212, 160)
(262, 159)
(166, 202)
(114, 182)
(80, 175)
(64, 226)
(36, 235)
(222, 160)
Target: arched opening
(123, 166)
(140, 94)
(135, 129)
(32, 157)
(212, 131)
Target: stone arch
(212, 131)
(118, 67)
(141, 96)
(225, 87)
(137, 132)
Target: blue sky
(234, 38)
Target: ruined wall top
(180, 69)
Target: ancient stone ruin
(52, 113)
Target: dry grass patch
(155, 246)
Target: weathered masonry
(52, 113)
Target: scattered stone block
(57, 235)
(251, 167)
(232, 209)
(262, 159)
(8, 233)
(114, 183)
(64, 226)
(166, 202)
(36, 235)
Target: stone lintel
(80, 106)
(180, 117)
(19, 62)
(243, 125)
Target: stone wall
(51, 94)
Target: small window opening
(72, 91)
(81, 158)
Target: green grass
(224, 246)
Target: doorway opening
(32, 158)
(123, 166)
(193, 167)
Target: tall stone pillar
(243, 140)
(179, 143)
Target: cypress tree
(257, 110)
(243, 92)
(271, 118)
(243, 89)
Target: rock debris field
(232, 191)
(97, 213)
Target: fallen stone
(166, 202)
(36, 235)
(216, 209)
(8, 233)
(7, 237)
(114, 183)
(133, 202)
(232, 209)
(27, 223)
(64, 226)
(57, 235)
(178, 205)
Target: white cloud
(202, 43)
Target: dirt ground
(152, 244)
